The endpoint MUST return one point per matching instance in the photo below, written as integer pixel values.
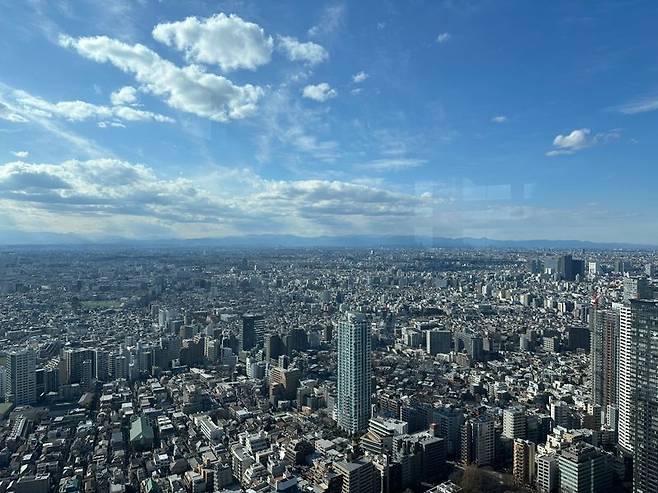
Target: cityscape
(328, 370)
(329, 246)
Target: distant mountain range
(294, 241)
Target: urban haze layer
(328, 370)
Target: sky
(147, 119)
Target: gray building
(645, 460)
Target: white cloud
(568, 144)
(499, 119)
(125, 95)
(111, 124)
(331, 19)
(360, 77)
(311, 53)
(9, 114)
(319, 92)
(21, 154)
(394, 164)
(72, 195)
(32, 106)
(228, 41)
(188, 89)
(443, 38)
(580, 139)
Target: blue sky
(163, 119)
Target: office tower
(478, 443)
(584, 468)
(20, 377)
(645, 429)
(296, 340)
(651, 271)
(273, 346)
(626, 380)
(253, 330)
(514, 423)
(438, 341)
(354, 373)
(604, 356)
(637, 288)
(524, 461)
(358, 476)
(547, 473)
(578, 338)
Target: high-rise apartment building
(20, 377)
(515, 423)
(626, 380)
(547, 473)
(72, 360)
(637, 288)
(645, 423)
(354, 373)
(604, 356)
(524, 461)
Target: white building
(21, 377)
(354, 373)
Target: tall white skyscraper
(626, 381)
(354, 373)
(21, 377)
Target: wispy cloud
(640, 106)
(393, 164)
(330, 20)
(443, 38)
(499, 119)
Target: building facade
(354, 373)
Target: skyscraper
(21, 378)
(626, 380)
(253, 330)
(354, 373)
(645, 425)
(604, 356)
